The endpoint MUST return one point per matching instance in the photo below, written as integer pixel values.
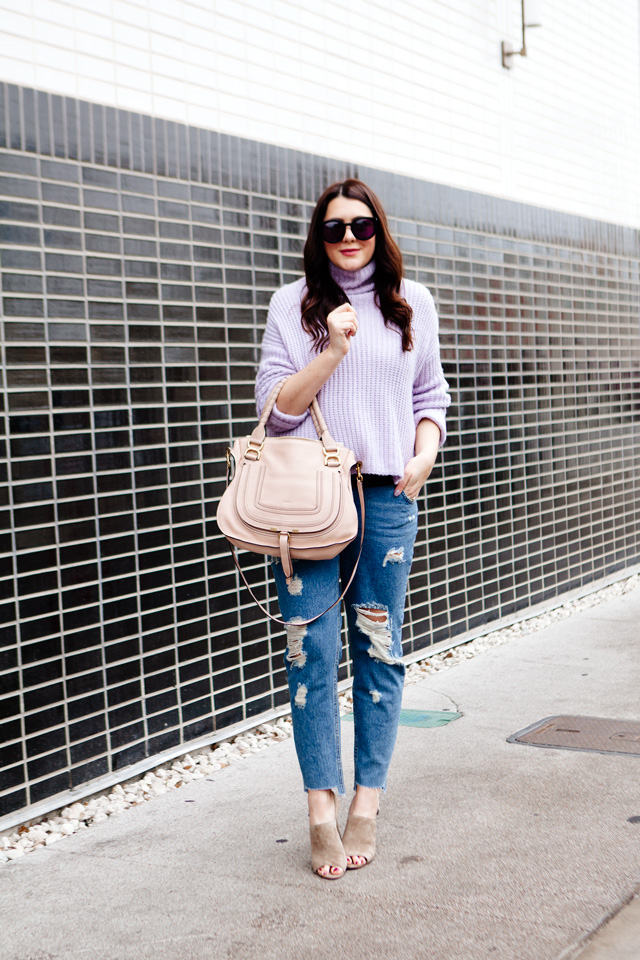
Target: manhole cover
(421, 718)
(598, 734)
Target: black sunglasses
(363, 228)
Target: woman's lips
(350, 253)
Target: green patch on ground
(422, 718)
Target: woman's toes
(357, 861)
(325, 870)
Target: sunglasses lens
(333, 231)
(363, 228)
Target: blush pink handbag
(290, 497)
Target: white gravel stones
(38, 834)
(14, 853)
(121, 797)
(212, 759)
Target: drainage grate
(421, 718)
(597, 734)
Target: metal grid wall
(138, 257)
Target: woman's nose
(348, 235)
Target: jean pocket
(406, 498)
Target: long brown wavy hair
(323, 294)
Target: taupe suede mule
(327, 850)
(359, 839)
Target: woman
(366, 342)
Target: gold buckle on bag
(254, 449)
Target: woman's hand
(342, 324)
(419, 468)
(302, 387)
(416, 473)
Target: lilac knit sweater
(376, 397)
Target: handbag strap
(257, 437)
(303, 623)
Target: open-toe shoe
(359, 840)
(327, 850)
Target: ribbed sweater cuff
(283, 422)
(438, 417)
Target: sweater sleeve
(276, 363)
(430, 389)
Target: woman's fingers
(416, 473)
(352, 328)
(347, 323)
(411, 485)
(402, 485)
(344, 314)
(342, 324)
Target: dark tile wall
(138, 257)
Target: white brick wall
(417, 88)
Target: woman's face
(349, 253)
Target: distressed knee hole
(374, 623)
(301, 696)
(395, 555)
(296, 632)
(376, 616)
(375, 695)
(295, 587)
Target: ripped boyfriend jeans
(314, 651)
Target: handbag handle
(257, 437)
(304, 623)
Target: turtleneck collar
(355, 282)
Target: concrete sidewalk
(487, 849)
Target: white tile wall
(418, 88)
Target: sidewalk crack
(446, 695)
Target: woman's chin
(350, 263)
